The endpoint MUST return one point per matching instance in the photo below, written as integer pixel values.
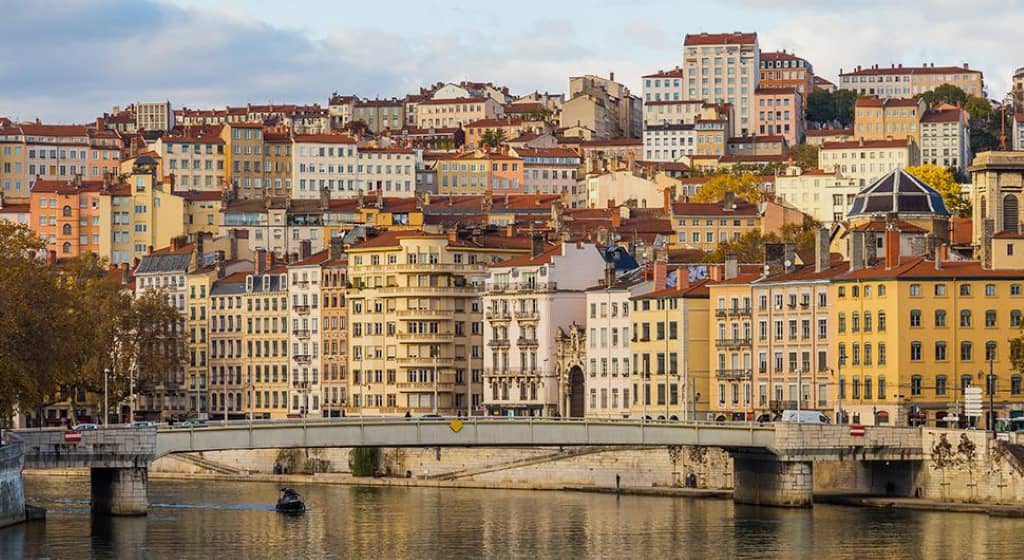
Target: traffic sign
(856, 430)
(72, 436)
(455, 425)
(972, 401)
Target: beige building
(380, 114)
(888, 118)
(243, 158)
(415, 321)
(910, 81)
(946, 138)
(456, 112)
(703, 225)
(867, 160)
(603, 106)
(194, 156)
(154, 116)
(723, 68)
(622, 187)
(825, 196)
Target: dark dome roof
(898, 192)
(145, 160)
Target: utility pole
(106, 407)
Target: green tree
(493, 138)
(821, 107)
(942, 180)
(979, 108)
(743, 185)
(364, 461)
(357, 128)
(844, 101)
(804, 155)
(946, 93)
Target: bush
(364, 461)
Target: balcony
(786, 404)
(410, 291)
(425, 337)
(301, 333)
(527, 315)
(302, 358)
(526, 342)
(424, 361)
(497, 315)
(721, 312)
(733, 374)
(301, 309)
(426, 313)
(511, 372)
(733, 342)
(522, 287)
(739, 311)
(498, 343)
(425, 386)
(432, 267)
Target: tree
(844, 101)
(804, 155)
(357, 127)
(946, 93)
(493, 138)
(749, 248)
(942, 180)
(743, 185)
(821, 107)
(979, 109)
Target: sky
(72, 60)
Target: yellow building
(277, 162)
(201, 211)
(197, 322)
(243, 158)
(334, 330)
(138, 215)
(703, 225)
(14, 179)
(730, 355)
(894, 119)
(415, 319)
(910, 337)
(670, 352)
(266, 338)
(226, 349)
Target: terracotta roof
(888, 102)
(697, 290)
(819, 81)
(779, 55)
(545, 257)
(876, 71)
(714, 209)
(195, 196)
(767, 158)
(947, 115)
(456, 101)
(64, 130)
(776, 91)
(393, 239)
(325, 138)
(524, 107)
(720, 39)
(836, 267)
(616, 142)
(62, 186)
(866, 144)
(742, 278)
(316, 258)
(547, 152)
(924, 268)
(757, 139)
(1008, 235)
(674, 73)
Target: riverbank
(342, 479)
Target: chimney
(609, 274)
(789, 257)
(336, 247)
(537, 244)
(261, 259)
(221, 267)
(892, 248)
(682, 278)
(611, 76)
(730, 200)
(616, 219)
(821, 249)
(509, 230)
(453, 235)
(988, 227)
(660, 270)
(732, 267)
(305, 249)
(325, 198)
(856, 250)
(938, 257)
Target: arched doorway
(576, 393)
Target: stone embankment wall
(649, 467)
(12, 492)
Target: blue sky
(202, 53)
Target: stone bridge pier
(118, 460)
(764, 480)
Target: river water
(235, 520)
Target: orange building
(478, 171)
(66, 214)
(786, 70)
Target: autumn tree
(493, 138)
(749, 247)
(804, 155)
(942, 180)
(743, 185)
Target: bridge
(773, 462)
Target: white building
(867, 160)
(607, 378)
(527, 299)
(669, 142)
(388, 170)
(723, 68)
(671, 112)
(665, 85)
(548, 170)
(154, 116)
(946, 138)
(825, 196)
(324, 161)
(304, 335)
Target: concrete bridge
(773, 463)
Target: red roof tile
(720, 39)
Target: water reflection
(236, 520)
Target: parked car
(431, 416)
(805, 417)
(193, 423)
(143, 424)
(85, 427)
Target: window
(965, 289)
(915, 351)
(881, 321)
(990, 290)
(990, 318)
(940, 290)
(1015, 318)
(965, 318)
(940, 385)
(1015, 385)
(940, 318)
(915, 290)
(966, 351)
(915, 385)
(915, 317)
(990, 350)
(940, 351)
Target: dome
(145, 160)
(898, 192)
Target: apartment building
(324, 162)
(946, 138)
(781, 69)
(723, 68)
(910, 81)
(608, 373)
(888, 118)
(138, 214)
(547, 170)
(456, 112)
(15, 181)
(67, 216)
(334, 330)
(671, 112)
(703, 225)
(669, 348)
(415, 321)
(478, 171)
(387, 171)
(230, 375)
(527, 299)
(868, 160)
(603, 106)
(380, 114)
(154, 116)
(669, 142)
(825, 196)
(194, 156)
(779, 111)
(304, 337)
(664, 85)
(266, 351)
(243, 157)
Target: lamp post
(106, 407)
(840, 386)
(991, 382)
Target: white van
(804, 417)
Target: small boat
(290, 502)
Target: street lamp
(991, 382)
(106, 407)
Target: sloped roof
(162, 263)
(898, 192)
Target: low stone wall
(542, 466)
(12, 492)
(969, 466)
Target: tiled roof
(720, 39)
(161, 263)
(550, 251)
(924, 268)
(714, 209)
(674, 73)
(776, 91)
(697, 290)
(947, 115)
(316, 258)
(866, 144)
(325, 138)
(888, 102)
(900, 70)
(830, 132)
(456, 101)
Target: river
(235, 520)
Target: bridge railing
(114, 447)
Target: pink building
(779, 111)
